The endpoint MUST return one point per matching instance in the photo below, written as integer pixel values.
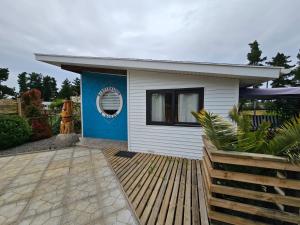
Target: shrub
(14, 130)
(57, 104)
(56, 126)
(32, 107)
(40, 128)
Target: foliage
(66, 90)
(40, 128)
(56, 105)
(56, 126)
(46, 84)
(49, 88)
(35, 81)
(295, 82)
(284, 61)
(14, 130)
(32, 103)
(22, 81)
(287, 140)
(254, 56)
(5, 90)
(228, 137)
(76, 86)
(32, 110)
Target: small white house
(148, 103)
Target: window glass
(186, 104)
(174, 106)
(161, 107)
(109, 102)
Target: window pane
(187, 103)
(110, 102)
(161, 107)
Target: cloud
(201, 30)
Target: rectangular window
(174, 106)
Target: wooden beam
(81, 69)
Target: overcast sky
(200, 30)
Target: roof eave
(231, 70)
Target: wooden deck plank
(133, 168)
(151, 190)
(174, 196)
(166, 204)
(129, 185)
(133, 163)
(162, 190)
(157, 200)
(143, 184)
(195, 203)
(146, 188)
(180, 200)
(201, 196)
(187, 197)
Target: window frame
(175, 92)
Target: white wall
(220, 94)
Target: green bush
(56, 126)
(14, 130)
(57, 104)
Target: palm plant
(239, 136)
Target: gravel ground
(41, 145)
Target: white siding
(220, 94)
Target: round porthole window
(109, 102)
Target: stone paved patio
(70, 186)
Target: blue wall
(94, 124)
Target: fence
(247, 188)
(10, 106)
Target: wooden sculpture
(66, 124)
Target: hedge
(14, 130)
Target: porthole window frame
(102, 92)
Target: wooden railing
(247, 188)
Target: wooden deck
(162, 190)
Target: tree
(296, 73)
(53, 87)
(35, 81)
(49, 88)
(254, 56)
(22, 81)
(76, 86)
(281, 60)
(66, 90)
(5, 90)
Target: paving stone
(18, 193)
(81, 212)
(56, 173)
(122, 217)
(52, 188)
(51, 185)
(51, 217)
(46, 202)
(26, 179)
(10, 212)
(103, 172)
(111, 201)
(81, 191)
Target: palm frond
(287, 140)
(220, 131)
